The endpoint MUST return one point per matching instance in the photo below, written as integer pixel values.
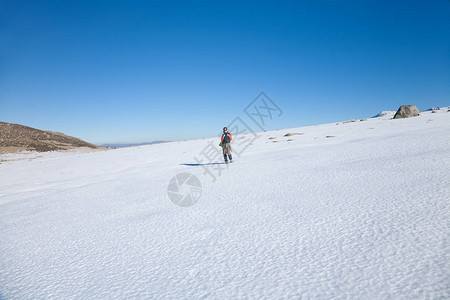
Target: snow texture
(361, 214)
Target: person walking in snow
(225, 143)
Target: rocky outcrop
(406, 111)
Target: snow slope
(362, 214)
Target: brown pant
(226, 148)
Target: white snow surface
(364, 214)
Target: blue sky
(134, 71)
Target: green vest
(226, 138)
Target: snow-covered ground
(363, 213)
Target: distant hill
(15, 137)
(114, 146)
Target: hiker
(225, 143)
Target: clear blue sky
(134, 71)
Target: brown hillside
(15, 137)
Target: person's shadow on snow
(206, 164)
